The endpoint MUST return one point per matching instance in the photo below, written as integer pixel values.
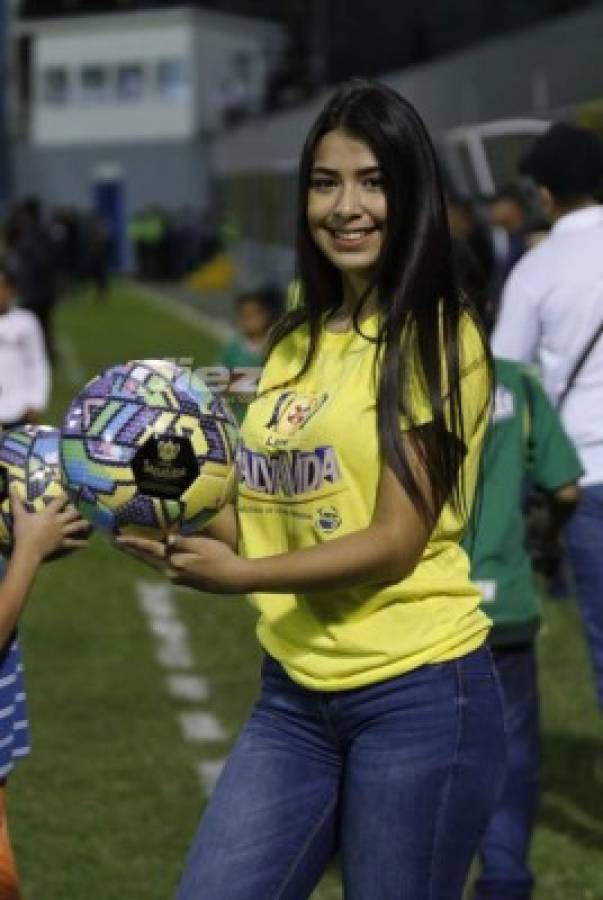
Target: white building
(132, 98)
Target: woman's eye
(322, 184)
(374, 183)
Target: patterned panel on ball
(152, 445)
(29, 463)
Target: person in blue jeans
(379, 726)
(525, 440)
(584, 543)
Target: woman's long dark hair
(419, 304)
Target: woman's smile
(352, 239)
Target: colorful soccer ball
(147, 449)
(29, 461)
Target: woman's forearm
(370, 556)
(224, 527)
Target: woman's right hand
(57, 528)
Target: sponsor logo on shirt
(290, 473)
(504, 404)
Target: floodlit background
(161, 142)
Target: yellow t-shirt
(308, 472)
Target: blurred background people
(32, 257)
(256, 313)
(468, 226)
(552, 312)
(517, 226)
(24, 367)
(147, 231)
(473, 253)
(510, 219)
(66, 236)
(95, 255)
(525, 439)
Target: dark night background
(332, 39)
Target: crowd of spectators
(51, 253)
(48, 254)
(169, 245)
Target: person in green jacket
(526, 440)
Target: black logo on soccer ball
(165, 467)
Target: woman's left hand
(199, 562)
(152, 553)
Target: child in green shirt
(256, 313)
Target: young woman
(379, 727)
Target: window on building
(94, 84)
(55, 85)
(173, 79)
(130, 81)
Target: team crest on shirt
(293, 411)
(327, 519)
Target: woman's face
(347, 206)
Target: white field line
(173, 651)
(188, 687)
(198, 726)
(209, 772)
(215, 327)
(170, 630)
(155, 601)
(74, 370)
(174, 654)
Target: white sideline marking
(201, 726)
(209, 772)
(155, 600)
(219, 329)
(74, 369)
(173, 650)
(197, 725)
(175, 655)
(188, 687)
(170, 629)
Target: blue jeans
(506, 843)
(584, 541)
(401, 777)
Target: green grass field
(108, 802)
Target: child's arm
(35, 536)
